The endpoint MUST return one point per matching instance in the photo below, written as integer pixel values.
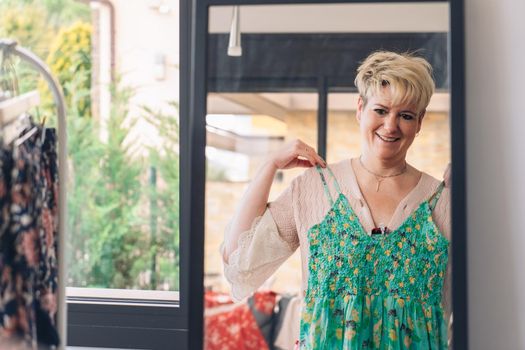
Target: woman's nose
(390, 122)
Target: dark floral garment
(28, 237)
(378, 292)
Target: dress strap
(336, 184)
(325, 185)
(435, 197)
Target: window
(237, 144)
(126, 272)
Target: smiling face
(387, 129)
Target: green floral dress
(374, 292)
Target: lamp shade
(234, 45)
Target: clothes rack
(10, 47)
(17, 105)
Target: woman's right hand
(296, 154)
(255, 200)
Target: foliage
(124, 233)
(26, 24)
(35, 23)
(70, 56)
(164, 248)
(105, 201)
(30, 30)
(123, 228)
(65, 12)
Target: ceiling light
(234, 45)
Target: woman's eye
(407, 116)
(380, 111)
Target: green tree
(34, 23)
(164, 230)
(70, 56)
(123, 226)
(106, 221)
(27, 26)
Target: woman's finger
(303, 150)
(311, 153)
(303, 163)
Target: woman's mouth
(387, 138)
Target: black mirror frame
(193, 159)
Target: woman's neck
(383, 167)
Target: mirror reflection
(327, 209)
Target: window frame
(456, 64)
(143, 323)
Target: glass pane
(124, 160)
(295, 50)
(237, 144)
(121, 85)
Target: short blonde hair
(408, 77)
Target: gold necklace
(379, 177)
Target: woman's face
(387, 130)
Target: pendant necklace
(379, 178)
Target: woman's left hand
(446, 176)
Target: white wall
(334, 18)
(495, 68)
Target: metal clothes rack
(11, 47)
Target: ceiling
(334, 18)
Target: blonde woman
(373, 230)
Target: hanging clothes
(28, 238)
(47, 278)
(247, 325)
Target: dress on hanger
(28, 237)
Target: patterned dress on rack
(20, 249)
(374, 292)
(28, 237)
(46, 284)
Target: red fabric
(235, 328)
(264, 302)
(213, 299)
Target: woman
(373, 231)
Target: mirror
(285, 72)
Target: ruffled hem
(232, 265)
(372, 322)
(243, 242)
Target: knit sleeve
(262, 248)
(283, 214)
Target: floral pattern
(378, 291)
(231, 326)
(28, 237)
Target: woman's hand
(296, 154)
(446, 176)
(255, 199)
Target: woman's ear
(359, 109)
